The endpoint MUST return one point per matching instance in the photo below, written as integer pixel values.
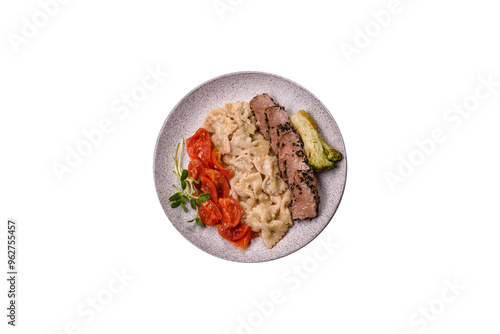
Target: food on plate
(239, 236)
(199, 147)
(217, 161)
(205, 185)
(209, 213)
(231, 212)
(262, 194)
(189, 192)
(259, 104)
(320, 155)
(251, 170)
(289, 148)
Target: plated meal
(259, 167)
(251, 171)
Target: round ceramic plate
(188, 115)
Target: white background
(397, 248)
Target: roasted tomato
(254, 235)
(194, 168)
(240, 236)
(231, 212)
(233, 234)
(208, 187)
(243, 242)
(199, 147)
(209, 213)
(218, 180)
(217, 161)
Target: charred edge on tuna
(267, 122)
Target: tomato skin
(234, 234)
(208, 187)
(231, 212)
(217, 157)
(245, 241)
(217, 161)
(228, 174)
(254, 234)
(242, 242)
(195, 168)
(218, 180)
(199, 146)
(209, 213)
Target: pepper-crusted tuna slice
(278, 123)
(299, 175)
(259, 104)
(295, 170)
(286, 143)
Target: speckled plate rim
(200, 86)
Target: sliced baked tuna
(299, 175)
(259, 104)
(287, 145)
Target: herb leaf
(204, 197)
(199, 222)
(174, 197)
(187, 190)
(184, 207)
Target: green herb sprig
(187, 191)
